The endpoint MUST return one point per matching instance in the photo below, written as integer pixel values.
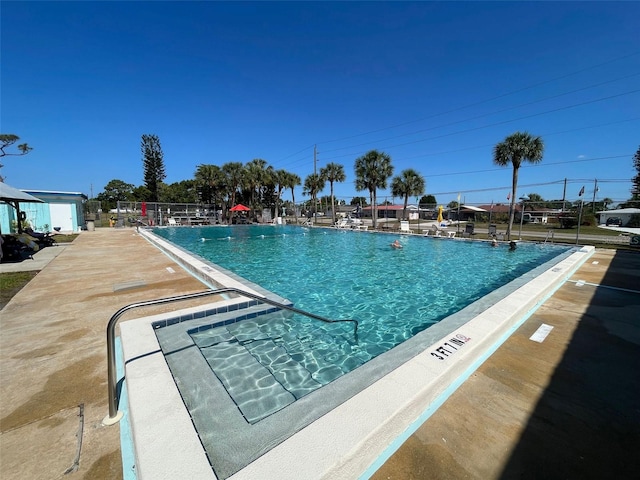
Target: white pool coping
(349, 441)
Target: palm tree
(408, 183)
(278, 177)
(210, 179)
(291, 181)
(373, 169)
(333, 172)
(234, 178)
(313, 185)
(255, 178)
(513, 150)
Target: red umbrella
(239, 208)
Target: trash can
(91, 225)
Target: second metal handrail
(114, 416)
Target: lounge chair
(342, 223)
(172, 222)
(404, 227)
(493, 230)
(468, 230)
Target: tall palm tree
(234, 178)
(333, 172)
(278, 177)
(255, 179)
(210, 179)
(313, 185)
(373, 169)
(407, 184)
(291, 181)
(513, 150)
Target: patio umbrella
(239, 208)
(13, 197)
(440, 208)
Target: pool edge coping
(418, 384)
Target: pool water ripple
(267, 363)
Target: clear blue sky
(434, 85)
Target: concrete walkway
(568, 407)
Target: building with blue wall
(61, 211)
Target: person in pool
(494, 243)
(396, 244)
(512, 246)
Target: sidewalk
(568, 407)
(53, 352)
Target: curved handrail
(112, 385)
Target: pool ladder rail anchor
(112, 382)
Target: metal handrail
(114, 416)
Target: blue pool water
(393, 294)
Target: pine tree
(153, 162)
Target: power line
(489, 99)
(547, 134)
(485, 114)
(566, 107)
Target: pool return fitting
(112, 382)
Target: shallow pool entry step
(265, 364)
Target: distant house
(624, 214)
(63, 211)
(392, 212)
(533, 215)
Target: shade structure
(13, 197)
(440, 208)
(239, 208)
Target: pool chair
(493, 230)
(172, 222)
(342, 223)
(404, 227)
(468, 230)
(433, 231)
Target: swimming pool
(394, 294)
(303, 251)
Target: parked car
(614, 222)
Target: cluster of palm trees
(260, 185)
(255, 183)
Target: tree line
(260, 185)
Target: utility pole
(595, 190)
(315, 151)
(564, 193)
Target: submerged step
(252, 387)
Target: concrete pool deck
(510, 416)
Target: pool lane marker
(541, 333)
